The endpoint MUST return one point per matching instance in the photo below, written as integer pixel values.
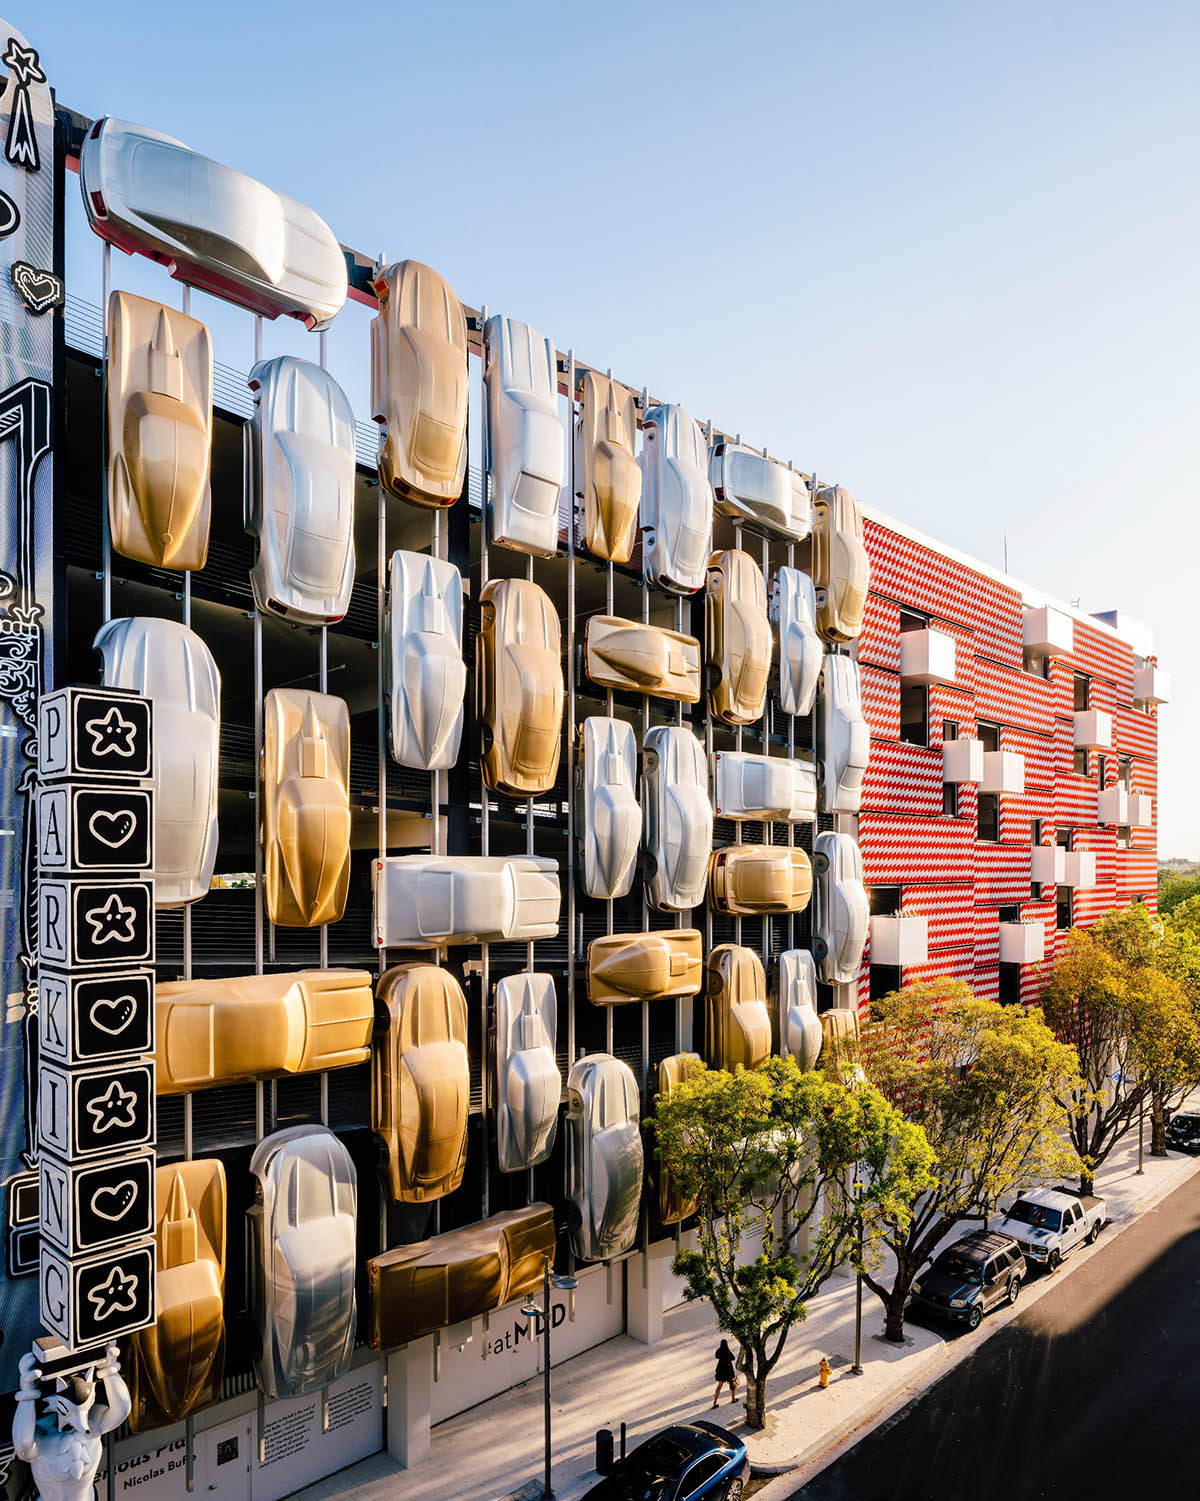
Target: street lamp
(532, 1313)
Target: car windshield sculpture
(764, 878)
(211, 226)
(609, 818)
(738, 1024)
(419, 385)
(159, 411)
(525, 458)
(305, 807)
(604, 1157)
(243, 1027)
(425, 901)
(840, 568)
(425, 677)
(794, 614)
(300, 476)
(841, 911)
(843, 738)
(759, 492)
(421, 1082)
(301, 1263)
(763, 789)
(796, 1008)
(168, 663)
(677, 818)
(642, 658)
(739, 638)
(677, 501)
(607, 477)
(528, 1083)
(519, 687)
(644, 966)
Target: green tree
(1175, 887)
(771, 1156)
(983, 1081)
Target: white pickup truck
(1049, 1223)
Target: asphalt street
(1091, 1392)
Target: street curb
(823, 1451)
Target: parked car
(607, 478)
(1050, 1222)
(524, 437)
(698, 1461)
(528, 1083)
(793, 612)
(677, 501)
(1183, 1132)
(677, 818)
(604, 1157)
(980, 1272)
(841, 911)
(760, 492)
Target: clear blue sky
(945, 254)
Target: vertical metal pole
(547, 1491)
(381, 750)
(737, 828)
(570, 727)
(1141, 1132)
(768, 832)
(105, 528)
(484, 799)
(791, 562)
(708, 743)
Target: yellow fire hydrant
(824, 1370)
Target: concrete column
(645, 1288)
(410, 1393)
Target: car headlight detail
(958, 1302)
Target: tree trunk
(1087, 1179)
(756, 1396)
(1158, 1128)
(893, 1323)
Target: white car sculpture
(760, 492)
(425, 901)
(528, 1083)
(677, 818)
(793, 612)
(610, 821)
(841, 911)
(843, 739)
(168, 663)
(301, 1263)
(300, 491)
(763, 789)
(796, 1006)
(425, 677)
(211, 226)
(525, 457)
(677, 501)
(604, 1157)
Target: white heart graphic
(121, 826)
(124, 1006)
(124, 1194)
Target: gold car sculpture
(450, 1278)
(160, 389)
(644, 966)
(420, 1082)
(608, 478)
(419, 385)
(642, 658)
(737, 1022)
(519, 687)
(759, 878)
(214, 1032)
(305, 807)
(672, 1206)
(841, 570)
(177, 1364)
(739, 637)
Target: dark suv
(970, 1278)
(1183, 1132)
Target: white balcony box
(926, 656)
(1049, 632)
(1081, 869)
(1151, 685)
(1113, 807)
(1093, 730)
(962, 760)
(1003, 772)
(1022, 942)
(1141, 811)
(1047, 864)
(899, 939)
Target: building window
(911, 621)
(885, 978)
(1010, 984)
(1035, 838)
(1081, 762)
(885, 901)
(950, 799)
(989, 734)
(1037, 664)
(1124, 838)
(1062, 838)
(1125, 772)
(989, 818)
(1079, 700)
(1062, 916)
(914, 714)
(1011, 913)
(949, 729)
(1102, 771)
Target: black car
(970, 1278)
(1183, 1132)
(686, 1462)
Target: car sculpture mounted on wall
(759, 878)
(518, 687)
(425, 677)
(642, 658)
(524, 455)
(763, 789)
(528, 1083)
(799, 1026)
(841, 570)
(843, 737)
(793, 612)
(644, 966)
(759, 492)
(738, 1024)
(673, 1207)
(677, 501)
(609, 819)
(738, 638)
(425, 901)
(841, 911)
(604, 1157)
(607, 478)
(677, 818)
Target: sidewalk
(494, 1451)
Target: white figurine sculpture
(63, 1448)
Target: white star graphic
(114, 920)
(113, 733)
(115, 1107)
(116, 1294)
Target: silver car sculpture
(841, 911)
(525, 454)
(605, 1159)
(610, 821)
(793, 612)
(843, 738)
(301, 1259)
(796, 1007)
(210, 225)
(677, 818)
(425, 901)
(528, 1083)
(300, 491)
(770, 789)
(170, 664)
(425, 677)
(760, 492)
(677, 501)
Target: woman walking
(726, 1372)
